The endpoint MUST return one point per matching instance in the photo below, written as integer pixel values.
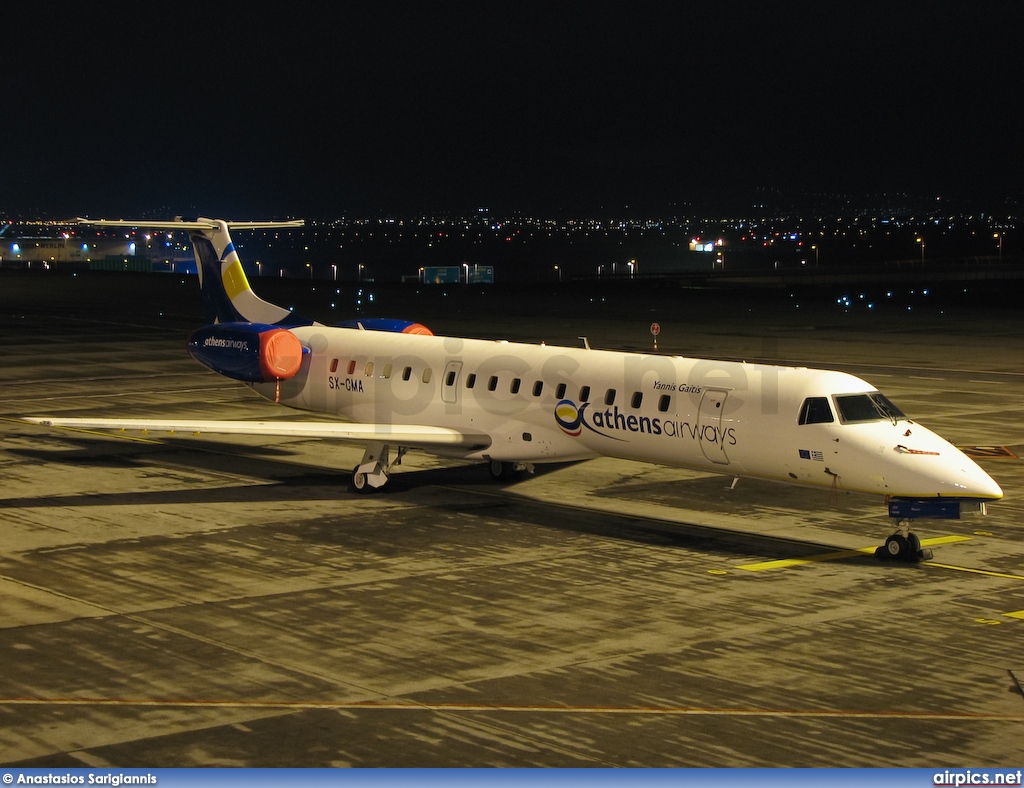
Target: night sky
(245, 112)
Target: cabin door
(710, 424)
(450, 382)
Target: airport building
(99, 253)
(29, 252)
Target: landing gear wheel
(903, 548)
(897, 547)
(918, 553)
(501, 471)
(360, 483)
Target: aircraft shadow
(288, 481)
(507, 504)
(100, 452)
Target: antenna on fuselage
(586, 342)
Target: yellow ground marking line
(987, 572)
(813, 559)
(679, 711)
(1015, 614)
(788, 562)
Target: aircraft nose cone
(984, 486)
(977, 483)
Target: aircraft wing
(407, 435)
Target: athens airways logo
(569, 417)
(572, 419)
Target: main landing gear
(506, 471)
(374, 472)
(903, 546)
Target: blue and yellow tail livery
(225, 288)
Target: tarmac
(182, 601)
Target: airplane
(392, 386)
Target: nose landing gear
(903, 546)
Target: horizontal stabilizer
(224, 286)
(189, 224)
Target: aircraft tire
(914, 551)
(360, 483)
(500, 471)
(897, 547)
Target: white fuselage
(546, 403)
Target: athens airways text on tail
(398, 387)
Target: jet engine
(387, 324)
(250, 352)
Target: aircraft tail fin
(225, 288)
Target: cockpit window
(867, 407)
(816, 410)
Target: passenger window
(638, 397)
(514, 388)
(609, 397)
(406, 373)
(538, 387)
(585, 394)
(368, 369)
(560, 391)
(386, 374)
(334, 365)
(470, 380)
(492, 384)
(663, 402)
(450, 380)
(816, 410)
(427, 374)
(352, 367)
